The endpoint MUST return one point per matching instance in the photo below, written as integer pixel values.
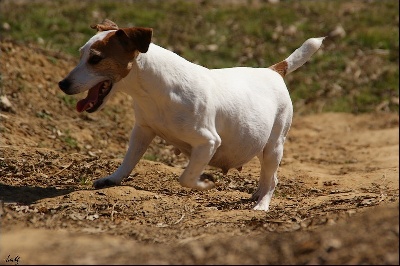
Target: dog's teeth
(90, 105)
(105, 87)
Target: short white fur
(218, 117)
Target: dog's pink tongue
(85, 104)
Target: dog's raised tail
(298, 57)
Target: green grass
(69, 140)
(43, 114)
(246, 34)
(150, 157)
(68, 100)
(84, 181)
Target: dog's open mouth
(95, 97)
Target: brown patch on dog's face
(108, 58)
(113, 56)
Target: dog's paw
(205, 182)
(263, 201)
(103, 182)
(261, 207)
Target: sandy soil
(337, 201)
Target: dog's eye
(95, 59)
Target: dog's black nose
(64, 85)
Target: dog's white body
(190, 106)
(217, 117)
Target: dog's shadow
(27, 195)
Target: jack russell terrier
(218, 117)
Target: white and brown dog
(217, 117)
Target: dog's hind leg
(200, 156)
(140, 139)
(269, 160)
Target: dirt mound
(337, 200)
(335, 244)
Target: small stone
(338, 32)
(5, 104)
(6, 26)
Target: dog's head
(105, 59)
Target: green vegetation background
(356, 70)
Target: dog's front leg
(140, 139)
(199, 158)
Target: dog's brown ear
(135, 38)
(105, 25)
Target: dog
(218, 117)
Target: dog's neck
(155, 72)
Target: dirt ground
(337, 201)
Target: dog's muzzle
(95, 96)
